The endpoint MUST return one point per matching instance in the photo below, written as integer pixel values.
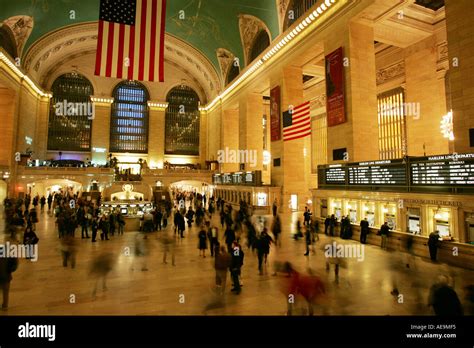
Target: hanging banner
(275, 119)
(335, 108)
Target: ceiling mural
(205, 24)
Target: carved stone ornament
(226, 59)
(249, 27)
(390, 72)
(21, 26)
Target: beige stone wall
(460, 28)
(156, 138)
(251, 129)
(101, 131)
(425, 89)
(7, 110)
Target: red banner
(275, 119)
(335, 108)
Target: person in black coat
(433, 241)
(202, 236)
(229, 236)
(181, 224)
(7, 267)
(236, 263)
(263, 249)
(364, 231)
(444, 300)
(332, 225)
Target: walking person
(94, 228)
(213, 235)
(444, 300)
(202, 236)
(7, 267)
(120, 223)
(222, 263)
(42, 203)
(50, 202)
(263, 249)
(433, 241)
(169, 244)
(276, 230)
(68, 250)
(100, 268)
(308, 240)
(364, 230)
(104, 227)
(237, 261)
(332, 225)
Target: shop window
(391, 109)
(129, 119)
(70, 114)
(182, 123)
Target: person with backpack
(7, 267)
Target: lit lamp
(447, 126)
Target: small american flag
(131, 39)
(297, 124)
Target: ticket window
(337, 209)
(262, 199)
(442, 223)
(369, 213)
(324, 208)
(352, 212)
(389, 215)
(470, 228)
(414, 221)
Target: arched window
(261, 42)
(182, 122)
(7, 41)
(233, 72)
(129, 119)
(295, 10)
(71, 113)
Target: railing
(85, 170)
(176, 171)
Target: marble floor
(45, 287)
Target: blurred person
(443, 298)
(202, 237)
(104, 227)
(263, 249)
(433, 241)
(333, 259)
(30, 238)
(299, 230)
(469, 296)
(310, 287)
(100, 268)
(309, 241)
(141, 250)
(213, 235)
(332, 225)
(237, 261)
(222, 263)
(94, 228)
(120, 223)
(229, 237)
(169, 245)
(384, 232)
(306, 216)
(7, 267)
(68, 250)
(165, 218)
(276, 230)
(50, 202)
(42, 203)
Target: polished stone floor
(45, 287)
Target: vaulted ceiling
(205, 24)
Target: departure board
(387, 173)
(335, 175)
(443, 170)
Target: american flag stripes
(297, 124)
(131, 39)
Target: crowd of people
(240, 233)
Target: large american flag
(297, 123)
(131, 39)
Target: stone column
(251, 130)
(291, 176)
(41, 135)
(425, 100)
(460, 26)
(156, 137)
(359, 135)
(100, 132)
(230, 139)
